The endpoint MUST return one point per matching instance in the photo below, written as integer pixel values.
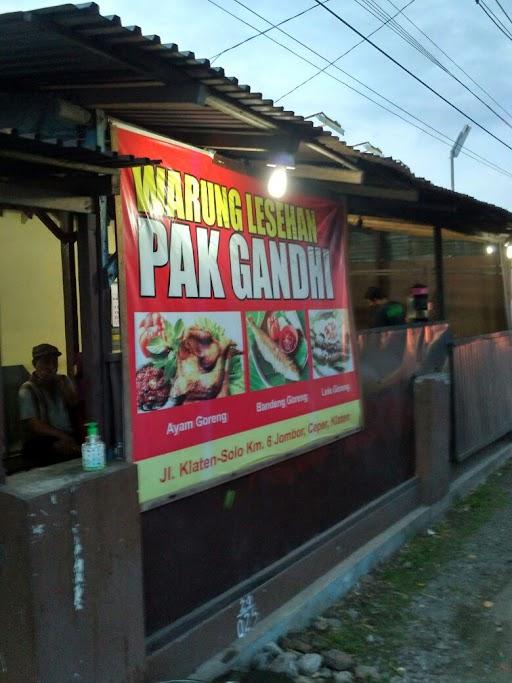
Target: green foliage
(236, 376)
(382, 602)
(170, 367)
(216, 330)
(157, 346)
(174, 332)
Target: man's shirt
(47, 405)
(390, 313)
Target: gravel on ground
(440, 611)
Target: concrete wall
(31, 298)
(71, 604)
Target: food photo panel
(186, 357)
(277, 348)
(330, 342)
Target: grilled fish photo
(273, 354)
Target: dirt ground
(440, 611)
(458, 628)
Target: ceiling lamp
(277, 182)
(278, 179)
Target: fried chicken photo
(202, 366)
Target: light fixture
(508, 251)
(369, 148)
(490, 249)
(327, 121)
(73, 113)
(455, 151)
(277, 182)
(280, 163)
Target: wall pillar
(439, 268)
(432, 422)
(70, 576)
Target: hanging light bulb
(277, 182)
(508, 251)
(490, 249)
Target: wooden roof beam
(329, 173)
(163, 97)
(236, 141)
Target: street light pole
(455, 150)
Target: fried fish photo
(278, 350)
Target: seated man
(47, 402)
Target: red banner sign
(238, 325)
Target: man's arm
(29, 415)
(68, 391)
(41, 428)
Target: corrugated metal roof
(24, 147)
(71, 47)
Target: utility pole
(455, 150)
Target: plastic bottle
(93, 449)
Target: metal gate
(482, 391)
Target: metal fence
(482, 391)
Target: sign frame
(127, 351)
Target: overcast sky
(459, 27)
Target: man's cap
(42, 350)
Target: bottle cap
(92, 428)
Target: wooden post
(2, 430)
(439, 266)
(89, 281)
(125, 352)
(104, 293)
(382, 260)
(67, 251)
(2, 421)
(506, 278)
(105, 316)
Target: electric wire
(492, 13)
(307, 47)
(344, 54)
(415, 77)
(503, 10)
(401, 11)
(438, 47)
(435, 135)
(494, 20)
(372, 90)
(261, 33)
(375, 9)
(379, 13)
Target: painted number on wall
(247, 616)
